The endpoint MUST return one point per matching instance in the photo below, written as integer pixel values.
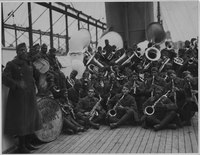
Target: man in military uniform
(164, 114)
(43, 52)
(87, 113)
(190, 105)
(126, 109)
(154, 81)
(22, 116)
(137, 90)
(70, 81)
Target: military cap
(44, 46)
(21, 46)
(36, 45)
(185, 73)
(52, 50)
(171, 71)
(127, 86)
(154, 69)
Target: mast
(158, 13)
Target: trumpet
(113, 112)
(94, 111)
(149, 110)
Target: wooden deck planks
(105, 136)
(132, 140)
(162, 142)
(148, 147)
(188, 146)
(127, 139)
(109, 140)
(175, 141)
(82, 140)
(119, 141)
(193, 140)
(114, 141)
(92, 142)
(181, 143)
(156, 141)
(168, 146)
(138, 141)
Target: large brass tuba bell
(93, 64)
(153, 54)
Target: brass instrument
(174, 91)
(153, 81)
(69, 106)
(113, 112)
(149, 110)
(151, 54)
(94, 112)
(193, 95)
(163, 64)
(109, 94)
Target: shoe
(113, 125)
(22, 149)
(172, 126)
(69, 131)
(31, 147)
(156, 127)
(186, 123)
(80, 129)
(96, 126)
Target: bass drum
(52, 119)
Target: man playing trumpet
(122, 109)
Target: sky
(179, 17)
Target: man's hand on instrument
(86, 113)
(194, 91)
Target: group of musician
(156, 94)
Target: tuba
(94, 65)
(149, 110)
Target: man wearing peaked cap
(22, 116)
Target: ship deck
(127, 139)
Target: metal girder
(72, 15)
(26, 29)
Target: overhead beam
(26, 29)
(72, 15)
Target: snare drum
(41, 65)
(52, 119)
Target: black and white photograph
(99, 77)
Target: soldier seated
(122, 109)
(164, 115)
(90, 110)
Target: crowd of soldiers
(156, 94)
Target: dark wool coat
(128, 101)
(22, 116)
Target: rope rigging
(12, 13)
(33, 22)
(52, 25)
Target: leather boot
(21, 147)
(94, 125)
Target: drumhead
(42, 65)
(52, 119)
